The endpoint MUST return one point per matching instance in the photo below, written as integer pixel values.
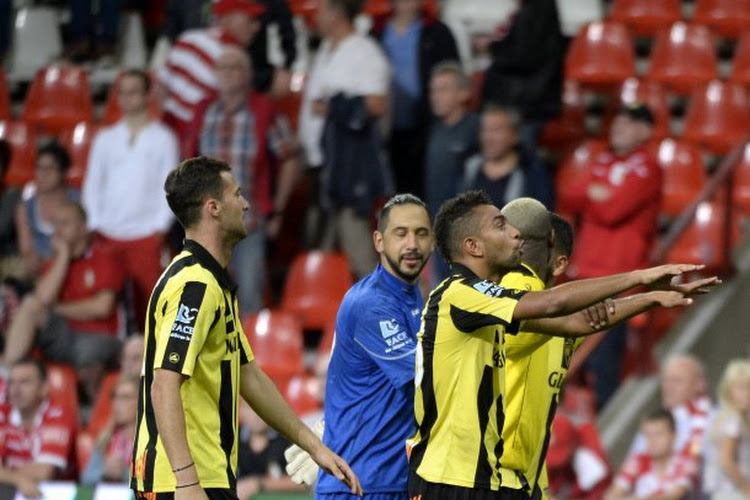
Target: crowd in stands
(388, 109)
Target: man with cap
(188, 77)
(618, 200)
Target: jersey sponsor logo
(186, 314)
(555, 380)
(232, 344)
(183, 326)
(498, 353)
(389, 328)
(174, 358)
(489, 288)
(567, 355)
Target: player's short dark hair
(141, 75)
(41, 368)
(57, 152)
(563, 234)
(454, 222)
(395, 201)
(190, 184)
(350, 8)
(5, 155)
(661, 415)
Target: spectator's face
(659, 438)
(445, 95)
(497, 136)
(241, 26)
(627, 134)
(406, 242)
(326, 18)
(232, 73)
(48, 175)
(739, 392)
(406, 8)
(132, 95)
(69, 226)
(132, 356)
(500, 242)
(125, 403)
(233, 208)
(681, 382)
(26, 389)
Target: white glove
(299, 464)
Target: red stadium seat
(23, 150)
(62, 386)
(572, 169)
(635, 91)
(741, 180)
(570, 126)
(313, 290)
(684, 175)
(77, 141)
(112, 112)
(683, 57)
(305, 395)
(646, 17)
(741, 62)
(59, 98)
(84, 448)
(306, 9)
(728, 18)
(717, 117)
(601, 55)
(102, 409)
(6, 112)
(276, 338)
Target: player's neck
(213, 245)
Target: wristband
(183, 468)
(187, 485)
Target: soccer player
(197, 360)
(370, 390)
(460, 368)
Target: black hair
(661, 414)
(190, 184)
(56, 151)
(395, 201)
(350, 8)
(454, 223)
(563, 234)
(29, 361)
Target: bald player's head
(532, 220)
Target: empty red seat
(741, 179)
(306, 9)
(276, 338)
(570, 126)
(102, 409)
(59, 98)
(112, 112)
(62, 386)
(728, 18)
(717, 117)
(635, 91)
(683, 57)
(23, 152)
(305, 395)
(601, 55)
(314, 287)
(684, 174)
(646, 17)
(77, 141)
(5, 110)
(741, 62)
(572, 169)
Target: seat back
(572, 170)
(276, 338)
(6, 112)
(645, 17)
(741, 62)
(570, 126)
(717, 117)
(683, 57)
(23, 152)
(102, 409)
(637, 91)
(741, 180)
(601, 55)
(305, 395)
(728, 18)
(684, 175)
(77, 141)
(62, 387)
(58, 99)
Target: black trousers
(212, 493)
(419, 489)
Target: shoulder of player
(522, 279)
(194, 274)
(469, 285)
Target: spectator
(727, 458)
(123, 189)
(46, 195)
(526, 69)
(260, 461)
(453, 137)
(502, 169)
(72, 313)
(414, 40)
(37, 436)
(265, 76)
(239, 127)
(131, 357)
(188, 76)
(660, 472)
(347, 92)
(10, 265)
(683, 392)
(185, 15)
(618, 201)
(110, 460)
(101, 26)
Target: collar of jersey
(394, 283)
(462, 270)
(207, 260)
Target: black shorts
(211, 493)
(419, 489)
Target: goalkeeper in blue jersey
(369, 403)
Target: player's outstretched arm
(580, 324)
(571, 297)
(264, 398)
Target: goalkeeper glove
(299, 464)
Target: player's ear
(560, 265)
(377, 240)
(473, 246)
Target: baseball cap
(529, 216)
(221, 7)
(637, 112)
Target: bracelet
(183, 468)
(187, 485)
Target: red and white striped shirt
(640, 477)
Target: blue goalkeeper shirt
(369, 402)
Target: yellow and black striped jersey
(193, 327)
(536, 365)
(460, 382)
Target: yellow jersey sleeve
(524, 343)
(246, 352)
(188, 315)
(483, 303)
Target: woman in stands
(41, 199)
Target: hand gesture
(672, 299)
(660, 277)
(336, 466)
(695, 287)
(598, 315)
